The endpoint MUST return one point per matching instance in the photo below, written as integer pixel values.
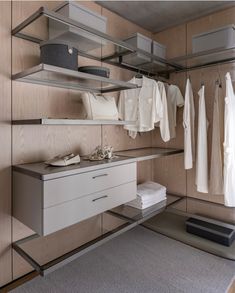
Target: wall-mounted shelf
(113, 49)
(128, 213)
(57, 121)
(70, 79)
(206, 58)
(131, 216)
(149, 153)
(44, 172)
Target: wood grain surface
(5, 139)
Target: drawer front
(68, 188)
(61, 216)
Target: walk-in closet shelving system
(64, 78)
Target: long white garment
(164, 121)
(229, 144)
(202, 156)
(216, 167)
(188, 123)
(141, 105)
(174, 100)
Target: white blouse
(142, 105)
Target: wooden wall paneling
(37, 143)
(116, 135)
(209, 76)
(5, 138)
(169, 171)
(175, 48)
(210, 209)
(58, 243)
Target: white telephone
(61, 161)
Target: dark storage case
(59, 54)
(214, 232)
(96, 70)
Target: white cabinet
(47, 206)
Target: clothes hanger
(201, 77)
(219, 80)
(139, 75)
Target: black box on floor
(211, 231)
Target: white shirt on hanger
(174, 99)
(202, 156)
(229, 144)
(164, 121)
(142, 105)
(188, 123)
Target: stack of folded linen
(148, 194)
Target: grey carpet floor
(139, 261)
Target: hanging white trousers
(229, 144)
(202, 156)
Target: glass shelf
(57, 121)
(206, 58)
(113, 49)
(29, 248)
(136, 215)
(65, 78)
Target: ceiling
(156, 16)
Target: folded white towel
(150, 199)
(137, 205)
(148, 194)
(150, 189)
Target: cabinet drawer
(68, 188)
(71, 212)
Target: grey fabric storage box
(212, 231)
(140, 42)
(223, 37)
(81, 40)
(59, 54)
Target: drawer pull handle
(102, 175)
(98, 198)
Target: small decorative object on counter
(99, 107)
(95, 70)
(62, 161)
(59, 53)
(101, 153)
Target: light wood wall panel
(179, 42)
(38, 143)
(5, 139)
(169, 171)
(209, 77)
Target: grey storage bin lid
(97, 70)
